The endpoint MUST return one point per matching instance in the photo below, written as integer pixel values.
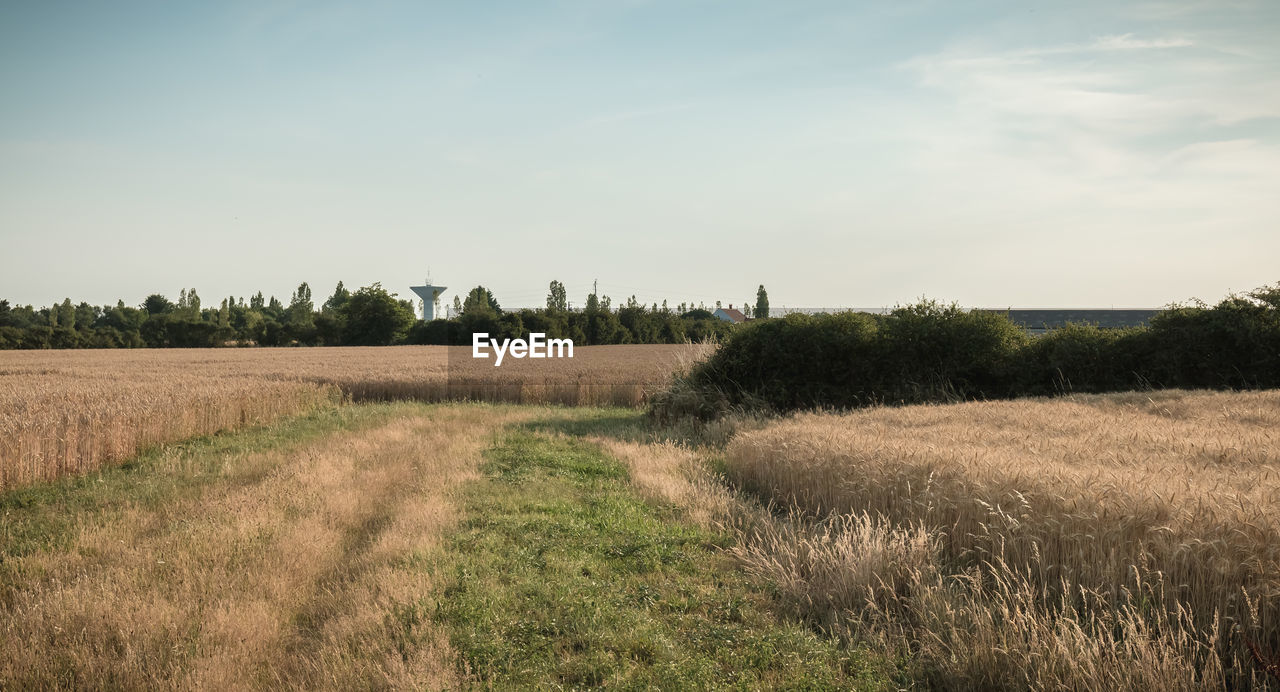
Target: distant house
(730, 315)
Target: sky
(843, 154)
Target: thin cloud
(1104, 85)
(1107, 137)
(1129, 42)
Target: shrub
(924, 352)
(1233, 344)
(799, 360)
(932, 352)
(929, 352)
(1081, 358)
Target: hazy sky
(843, 154)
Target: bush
(794, 362)
(1234, 344)
(929, 352)
(924, 352)
(1082, 358)
(435, 333)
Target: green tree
(224, 332)
(301, 312)
(86, 315)
(189, 303)
(329, 327)
(762, 303)
(480, 301)
(598, 323)
(557, 299)
(124, 319)
(155, 330)
(375, 318)
(457, 305)
(339, 298)
(66, 315)
(257, 302)
(156, 304)
(252, 326)
(275, 309)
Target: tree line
(370, 316)
(931, 352)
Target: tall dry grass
(596, 376)
(63, 423)
(668, 473)
(300, 567)
(1127, 540)
(68, 412)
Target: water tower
(429, 295)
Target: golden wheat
(297, 569)
(1073, 517)
(68, 412)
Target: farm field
(395, 545)
(324, 537)
(1127, 540)
(66, 412)
(378, 346)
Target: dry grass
(1129, 540)
(891, 586)
(299, 569)
(66, 412)
(672, 474)
(595, 376)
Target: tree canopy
(480, 301)
(370, 316)
(375, 318)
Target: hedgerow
(930, 352)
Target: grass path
(385, 546)
(563, 577)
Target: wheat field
(286, 571)
(68, 412)
(1135, 535)
(1127, 541)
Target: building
(429, 295)
(730, 315)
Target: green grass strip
(560, 577)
